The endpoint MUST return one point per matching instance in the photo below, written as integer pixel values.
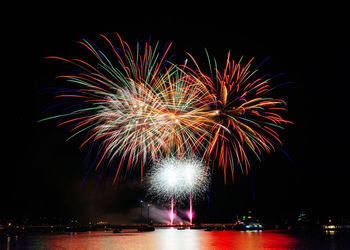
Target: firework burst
(242, 116)
(179, 178)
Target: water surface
(171, 239)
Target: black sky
(41, 173)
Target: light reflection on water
(173, 239)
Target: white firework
(178, 178)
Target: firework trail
(242, 116)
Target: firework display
(140, 108)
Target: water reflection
(246, 240)
(171, 239)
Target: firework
(141, 122)
(178, 178)
(134, 106)
(243, 117)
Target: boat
(253, 226)
(248, 223)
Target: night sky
(41, 173)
